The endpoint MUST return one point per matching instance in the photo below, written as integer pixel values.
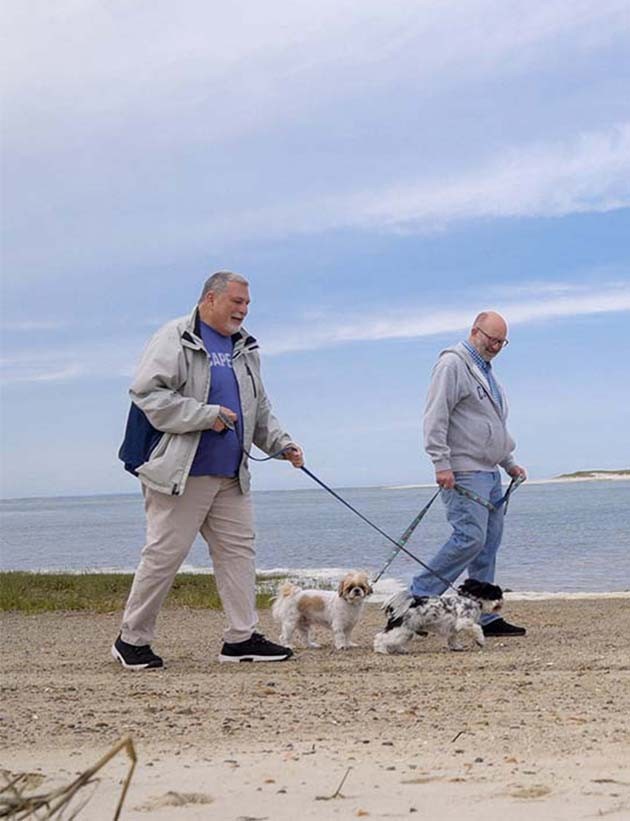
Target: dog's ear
(364, 582)
(497, 592)
(471, 587)
(342, 587)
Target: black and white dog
(449, 616)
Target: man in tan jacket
(198, 406)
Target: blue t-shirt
(219, 454)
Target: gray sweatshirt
(464, 428)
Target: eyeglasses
(493, 340)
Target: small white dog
(449, 616)
(299, 609)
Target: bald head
(488, 334)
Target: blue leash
(396, 544)
(399, 545)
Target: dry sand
(535, 727)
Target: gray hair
(218, 282)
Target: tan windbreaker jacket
(171, 388)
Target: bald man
(466, 437)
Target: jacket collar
(191, 336)
(464, 354)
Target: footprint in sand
(174, 799)
(535, 791)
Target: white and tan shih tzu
(301, 610)
(450, 616)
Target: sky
(380, 172)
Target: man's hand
(516, 471)
(294, 455)
(219, 425)
(445, 479)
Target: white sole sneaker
(223, 658)
(117, 655)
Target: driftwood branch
(16, 805)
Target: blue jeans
(475, 538)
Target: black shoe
(500, 627)
(255, 648)
(135, 658)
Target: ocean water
(559, 537)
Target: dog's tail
(396, 607)
(286, 591)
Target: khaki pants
(215, 507)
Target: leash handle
(516, 482)
(232, 426)
(406, 535)
(264, 458)
(378, 529)
(226, 421)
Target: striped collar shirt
(486, 370)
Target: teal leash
(416, 521)
(516, 482)
(407, 534)
(470, 494)
(503, 501)
(396, 544)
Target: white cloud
(38, 373)
(131, 51)
(64, 363)
(357, 113)
(589, 173)
(413, 324)
(537, 302)
(32, 325)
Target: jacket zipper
(251, 376)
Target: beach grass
(587, 474)
(107, 592)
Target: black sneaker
(500, 627)
(135, 658)
(255, 648)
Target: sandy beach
(532, 727)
